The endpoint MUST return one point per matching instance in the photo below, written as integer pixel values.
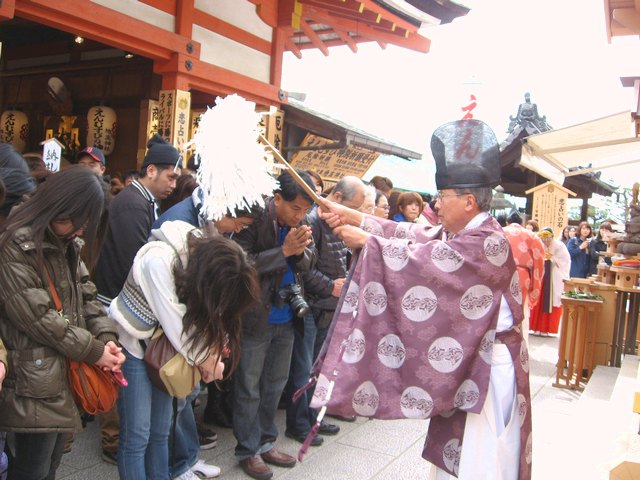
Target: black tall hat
(467, 155)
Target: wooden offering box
(605, 274)
(626, 277)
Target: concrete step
(601, 384)
(603, 416)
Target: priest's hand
(353, 237)
(335, 214)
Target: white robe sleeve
(561, 265)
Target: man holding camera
(323, 285)
(282, 249)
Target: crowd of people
(248, 299)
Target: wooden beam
(363, 9)
(313, 37)
(184, 18)
(267, 10)
(232, 32)
(627, 17)
(209, 78)
(346, 38)
(293, 48)
(413, 42)
(115, 29)
(168, 6)
(277, 51)
(7, 9)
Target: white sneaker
(204, 470)
(188, 475)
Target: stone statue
(528, 116)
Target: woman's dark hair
(408, 198)
(607, 226)
(77, 194)
(379, 194)
(316, 176)
(217, 286)
(534, 225)
(393, 203)
(185, 185)
(382, 183)
(579, 230)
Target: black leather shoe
(328, 429)
(301, 437)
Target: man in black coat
(323, 285)
(282, 248)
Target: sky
(556, 50)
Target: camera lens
(298, 305)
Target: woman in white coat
(546, 314)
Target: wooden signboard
(333, 164)
(550, 206)
(52, 154)
(174, 118)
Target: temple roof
(516, 178)
(341, 133)
(325, 23)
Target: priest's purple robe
(414, 332)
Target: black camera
(291, 294)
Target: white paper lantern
(102, 128)
(14, 129)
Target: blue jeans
(299, 419)
(187, 444)
(258, 383)
(145, 421)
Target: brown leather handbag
(167, 369)
(94, 390)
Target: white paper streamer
(233, 172)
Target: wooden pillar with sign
(271, 126)
(174, 116)
(550, 207)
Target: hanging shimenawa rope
(233, 170)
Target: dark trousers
(299, 418)
(37, 456)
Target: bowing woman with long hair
(40, 251)
(195, 286)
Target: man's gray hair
(348, 186)
(483, 196)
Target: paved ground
(374, 449)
